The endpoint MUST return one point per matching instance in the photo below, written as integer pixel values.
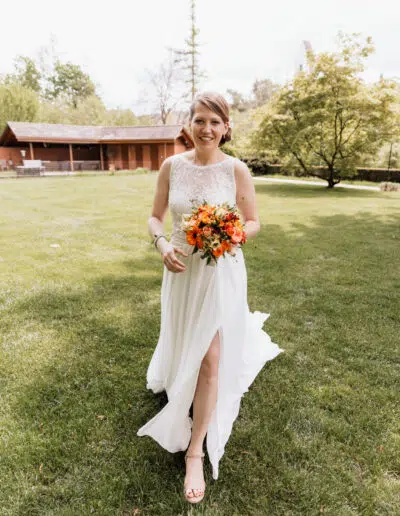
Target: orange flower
(230, 230)
(218, 251)
(199, 242)
(205, 207)
(205, 218)
(190, 238)
(225, 245)
(237, 236)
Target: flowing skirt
(195, 304)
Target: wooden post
(101, 156)
(31, 150)
(132, 157)
(71, 157)
(146, 156)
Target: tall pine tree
(189, 56)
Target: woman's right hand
(168, 253)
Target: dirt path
(318, 183)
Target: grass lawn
(318, 431)
(310, 178)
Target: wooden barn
(75, 147)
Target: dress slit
(171, 427)
(218, 331)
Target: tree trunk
(331, 181)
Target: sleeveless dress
(195, 304)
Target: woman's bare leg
(204, 401)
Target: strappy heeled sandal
(200, 492)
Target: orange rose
(225, 245)
(237, 236)
(230, 230)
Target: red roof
(35, 132)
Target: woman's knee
(210, 363)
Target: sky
(241, 41)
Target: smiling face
(207, 128)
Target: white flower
(220, 212)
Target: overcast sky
(241, 40)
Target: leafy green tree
(238, 101)
(54, 112)
(121, 117)
(26, 74)
(69, 82)
(327, 118)
(147, 120)
(17, 104)
(88, 111)
(263, 90)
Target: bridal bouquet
(214, 230)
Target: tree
(69, 82)
(121, 117)
(238, 102)
(262, 90)
(17, 104)
(26, 74)
(327, 116)
(55, 112)
(88, 111)
(166, 84)
(189, 56)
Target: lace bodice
(189, 182)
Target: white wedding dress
(195, 304)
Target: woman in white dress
(211, 347)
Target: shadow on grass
(312, 191)
(80, 411)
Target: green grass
(311, 178)
(318, 431)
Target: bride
(211, 347)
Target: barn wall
(12, 153)
(146, 156)
(119, 156)
(49, 153)
(154, 157)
